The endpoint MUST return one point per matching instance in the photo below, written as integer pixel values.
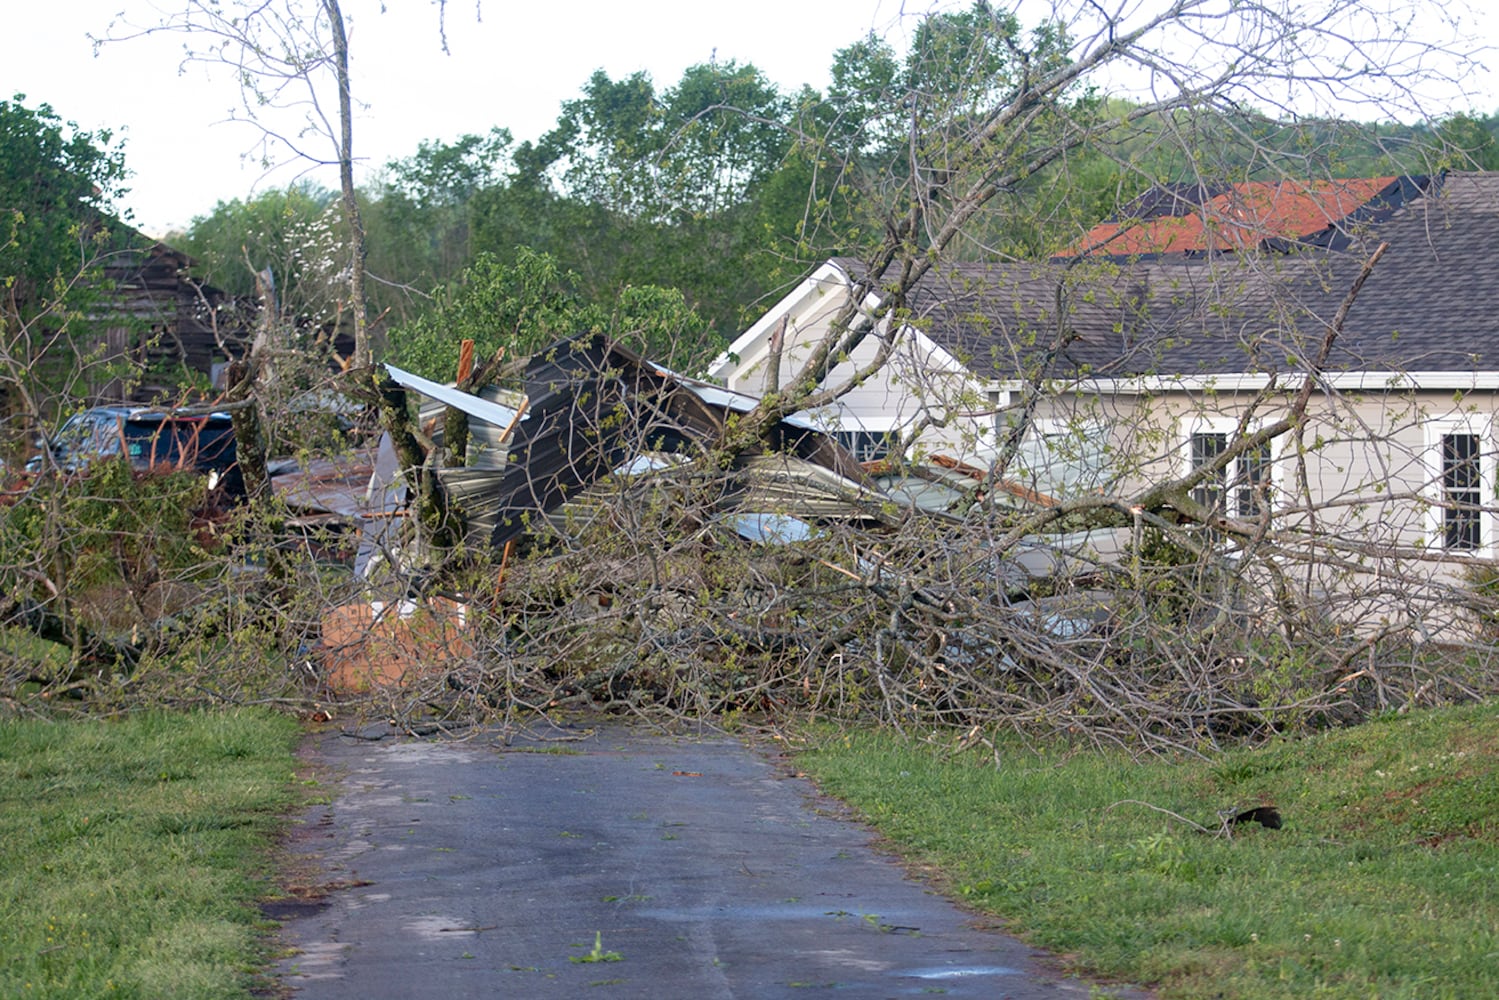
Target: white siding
(920, 383)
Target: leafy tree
(891, 119)
(605, 141)
(420, 217)
(1467, 142)
(524, 305)
(448, 174)
(637, 186)
(696, 149)
(722, 133)
(286, 232)
(57, 185)
(601, 247)
(862, 78)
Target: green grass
(132, 853)
(24, 653)
(1383, 882)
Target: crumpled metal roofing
(593, 407)
(474, 406)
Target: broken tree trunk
(428, 505)
(90, 649)
(249, 433)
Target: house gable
(164, 321)
(1204, 334)
(884, 404)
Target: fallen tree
(678, 588)
(648, 543)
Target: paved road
(479, 869)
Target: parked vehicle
(153, 440)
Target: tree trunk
(249, 432)
(357, 249)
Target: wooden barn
(166, 326)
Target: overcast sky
(512, 68)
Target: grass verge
(132, 852)
(1382, 882)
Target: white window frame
(1480, 426)
(841, 423)
(1228, 427)
(856, 441)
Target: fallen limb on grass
(1266, 816)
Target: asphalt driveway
(612, 861)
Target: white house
(1135, 368)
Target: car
(152, 439)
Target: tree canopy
(523, 305)
(727, 188)
(287, 234)
(57, 187)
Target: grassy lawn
(132, 853)
(1383, 881)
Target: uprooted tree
(694, 570)
(1214, 622)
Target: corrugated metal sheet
(593, 409)
(595, 406)
(475, 406)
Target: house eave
(1352, 381)
(813, 286)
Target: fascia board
(1355, 381)
(835, 418)
(739, 402)
(813, 286)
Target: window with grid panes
(1239, 489)
(1462, 492)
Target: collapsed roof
(593, 407)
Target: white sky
(513, 69)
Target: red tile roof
(1241, 218)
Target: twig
(1176, 816)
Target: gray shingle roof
(1431, 304)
